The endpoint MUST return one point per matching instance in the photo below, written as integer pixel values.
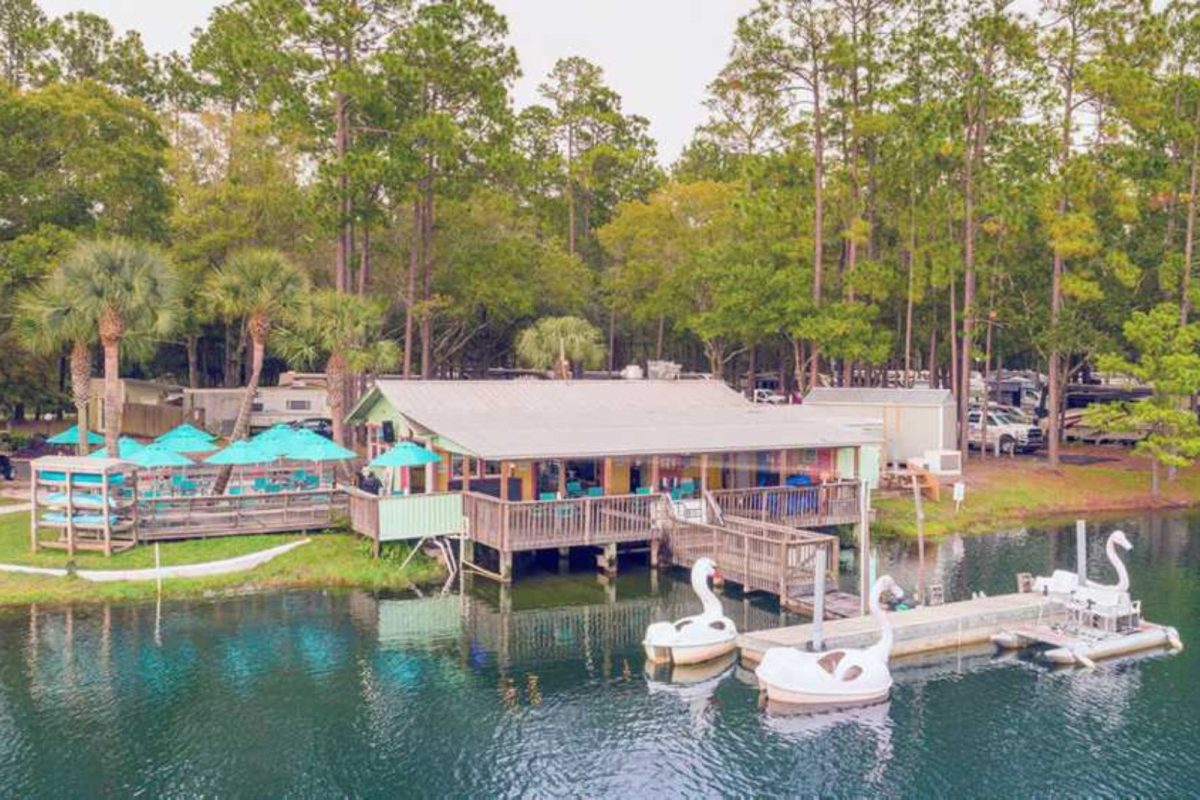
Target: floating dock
(920, 630)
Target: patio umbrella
(187, 444)
(158, 458)
(277, 431)
(240, 453)
(405, 455)
(187, 431)
(126, 447)
(71, 436)
(155, 456)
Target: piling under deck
(919, 630)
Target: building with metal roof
(913, 421)
(635, 433)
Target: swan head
(704, 569)
(887, 584)
(1119, 538)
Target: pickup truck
(1004, 433)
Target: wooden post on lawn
(104, 515)
(919, 506)
(70, 515)
(33, 508)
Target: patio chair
(644, 490)
(574, 488)
(547, 496)
(595, 491)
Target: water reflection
(540, 689)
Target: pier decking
(919, 630)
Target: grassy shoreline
(329, 560)
(1026, 491)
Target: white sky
(657, 54)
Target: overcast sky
(657, 54)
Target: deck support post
(655, 553)
(467, 554)
(606, 561)
(862, 532)
(506, 566)
(564, 559)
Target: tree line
(884, 191)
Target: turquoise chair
(644, 490)
(574, 488)
(261, 484)
(234, 491)
(595, 491)
(546, 496)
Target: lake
(541, 691)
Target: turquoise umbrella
(279, 430)
(241, 453)
(321, 450)
(187, 444)
(71, 436)
(156, 456)
(186, 431)
(126, 447)
(405, 454)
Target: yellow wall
(524, 471)
(620, 477)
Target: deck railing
(224, 515)
(758, 557)
(537, 525)
(803, 506)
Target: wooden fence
(144, 419)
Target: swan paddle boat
(694, 640)
(1103, 620)
(836, 678)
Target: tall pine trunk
(410, 287)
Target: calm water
(320, 694)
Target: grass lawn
(329, 560)
(1010, 490)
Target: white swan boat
(693, 640)
(837, 678)
(1103, 620)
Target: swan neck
(1118, 565)
(709, 601)
(882, 648)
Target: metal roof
(877, 396)
(502, 420)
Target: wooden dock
(919, 630)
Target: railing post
(587, 520)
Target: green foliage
(1165, 358)
(561, 342)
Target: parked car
(1006, 433)
(769, 396)
(321, 425)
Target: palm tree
(346, 332)
(126, 291)
(560, 342)
(46, 323)
(259, 286)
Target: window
(299, 405)
(256, 406)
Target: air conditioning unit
(943, 462)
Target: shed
(914, 421)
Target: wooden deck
(513, 527)
(758, 556)
(794, 506)
(920, 630)
(239, 515)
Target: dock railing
(225, 515)
(543, 524)
(802, 506)
(758, 556)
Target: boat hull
(684, 655)
(1154, 638)
(798, 697)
